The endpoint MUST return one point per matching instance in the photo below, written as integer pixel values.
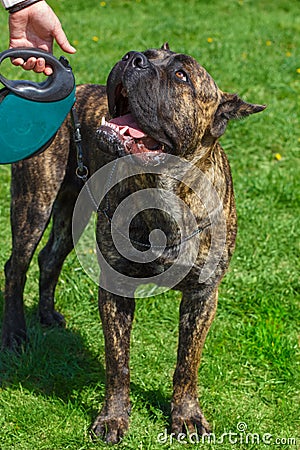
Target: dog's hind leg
(52, 256)
(197, 311)
(34, 186)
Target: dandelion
(95, 38)
(209, 40)
(278, 156)
(268, 43)
(298, 70)
(288, 54)
(102, 4)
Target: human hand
(37, 26)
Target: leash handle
(57, 86)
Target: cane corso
(163, 115)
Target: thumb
(62, 41)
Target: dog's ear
(231, 106)
(165, 46)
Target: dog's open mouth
(133, 138)
(123, 134)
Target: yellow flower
(95, 38)
(268, 43)
(298, 70)
(288, 54)
(209, 40)
(278, 156)
(102, 3)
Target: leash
(81, 170)
(82, 173)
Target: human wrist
(13, 6)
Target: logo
(172, 177)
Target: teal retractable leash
(31, 113)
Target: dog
(163, 117)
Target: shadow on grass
(56, 363)
(154, 401)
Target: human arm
(37, 26)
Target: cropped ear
(231, 106)
(165, 46)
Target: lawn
(249, 376)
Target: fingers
(41, 67)
(48, 70)
(17, 61)
(38, 65)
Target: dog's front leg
(116, 315)
(197, 311)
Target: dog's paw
(13, 340)
(187, 417)
(51, 319)
(110, 427)
(14, 335)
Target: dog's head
(165, 102)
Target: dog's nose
(136, 59)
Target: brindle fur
(188, 118)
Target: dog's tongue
(127, 125)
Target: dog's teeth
(114, 126)
(123, 131)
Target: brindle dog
(161, 103)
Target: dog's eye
(181, 75)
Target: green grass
(50, 394)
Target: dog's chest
(152, 224)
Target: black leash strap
(81, 170)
